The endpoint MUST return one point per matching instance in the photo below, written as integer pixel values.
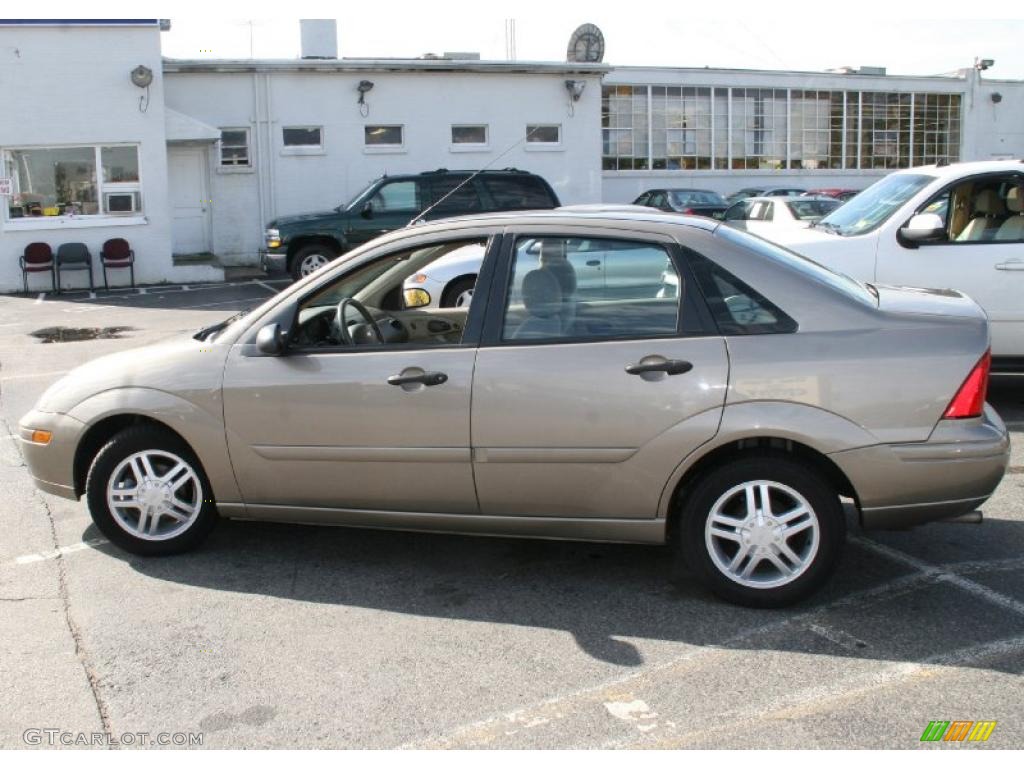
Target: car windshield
(837, 280)
(811, 210)
(696, 198)
(875, 204)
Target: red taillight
(969, 400)
(689, 211)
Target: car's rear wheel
(310, 258)
(147, 493)
(763, 532)
(459, 293)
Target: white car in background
(958, 226)
(762, 215)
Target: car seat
(988, 207)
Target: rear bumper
(908, 484)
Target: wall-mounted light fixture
(983, 64)
(996, 97)
(364, 87)
(575, 89)
(142, 77)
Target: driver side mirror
(367, 212)
(923, 227)
(270, 340)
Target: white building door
(187, 180)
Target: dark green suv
(302, 244)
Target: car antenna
(420, 217)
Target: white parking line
(40, 298)
(943, 574)
(38, 557)
(262, 284)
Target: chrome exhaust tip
(968, 517)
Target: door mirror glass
(270, 340)
(924, 227)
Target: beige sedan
(727, 417)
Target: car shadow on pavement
(879, 604)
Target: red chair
(38, 258)
(117, 254)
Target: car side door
(989, 269)
(391, 206)
(582, 406)
(321, 430)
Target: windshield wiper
(828, 226)
(204, 333)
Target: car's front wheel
(148, 493)
(310, 258)
(763, 532)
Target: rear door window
(451, 199)
(640, 297)
(524, 193)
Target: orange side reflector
(41, 436)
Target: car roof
(791, 198)
(611, 216)
(458, 172)
(955, 170)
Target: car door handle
(427, 378)
(671, 367)
(594, 263)
(1011, 265)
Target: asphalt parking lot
(274, 635)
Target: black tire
(304, 257)
(457, 288)
(123, 445)
(808, 482)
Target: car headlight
(415, 297)
(273, 238)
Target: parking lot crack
(75, 631)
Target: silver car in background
(728, 420)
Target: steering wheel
(339, 320)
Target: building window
(63, 181)
(693, 128)
(758, 128)
(389, 136)
(469, 135)
(544, 134)
(302, 136)
(936, 129)
(816, 129)
(234, 147)
(680, 128)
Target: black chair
(38, 257)
(117, 254)
(72, 257)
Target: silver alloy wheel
(464, 298)
(154, 495)
(762, 534)
(312, 262)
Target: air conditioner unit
(119, 202)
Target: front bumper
(274, 261)
(953, 472)
(52, 465)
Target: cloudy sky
(906, 37)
